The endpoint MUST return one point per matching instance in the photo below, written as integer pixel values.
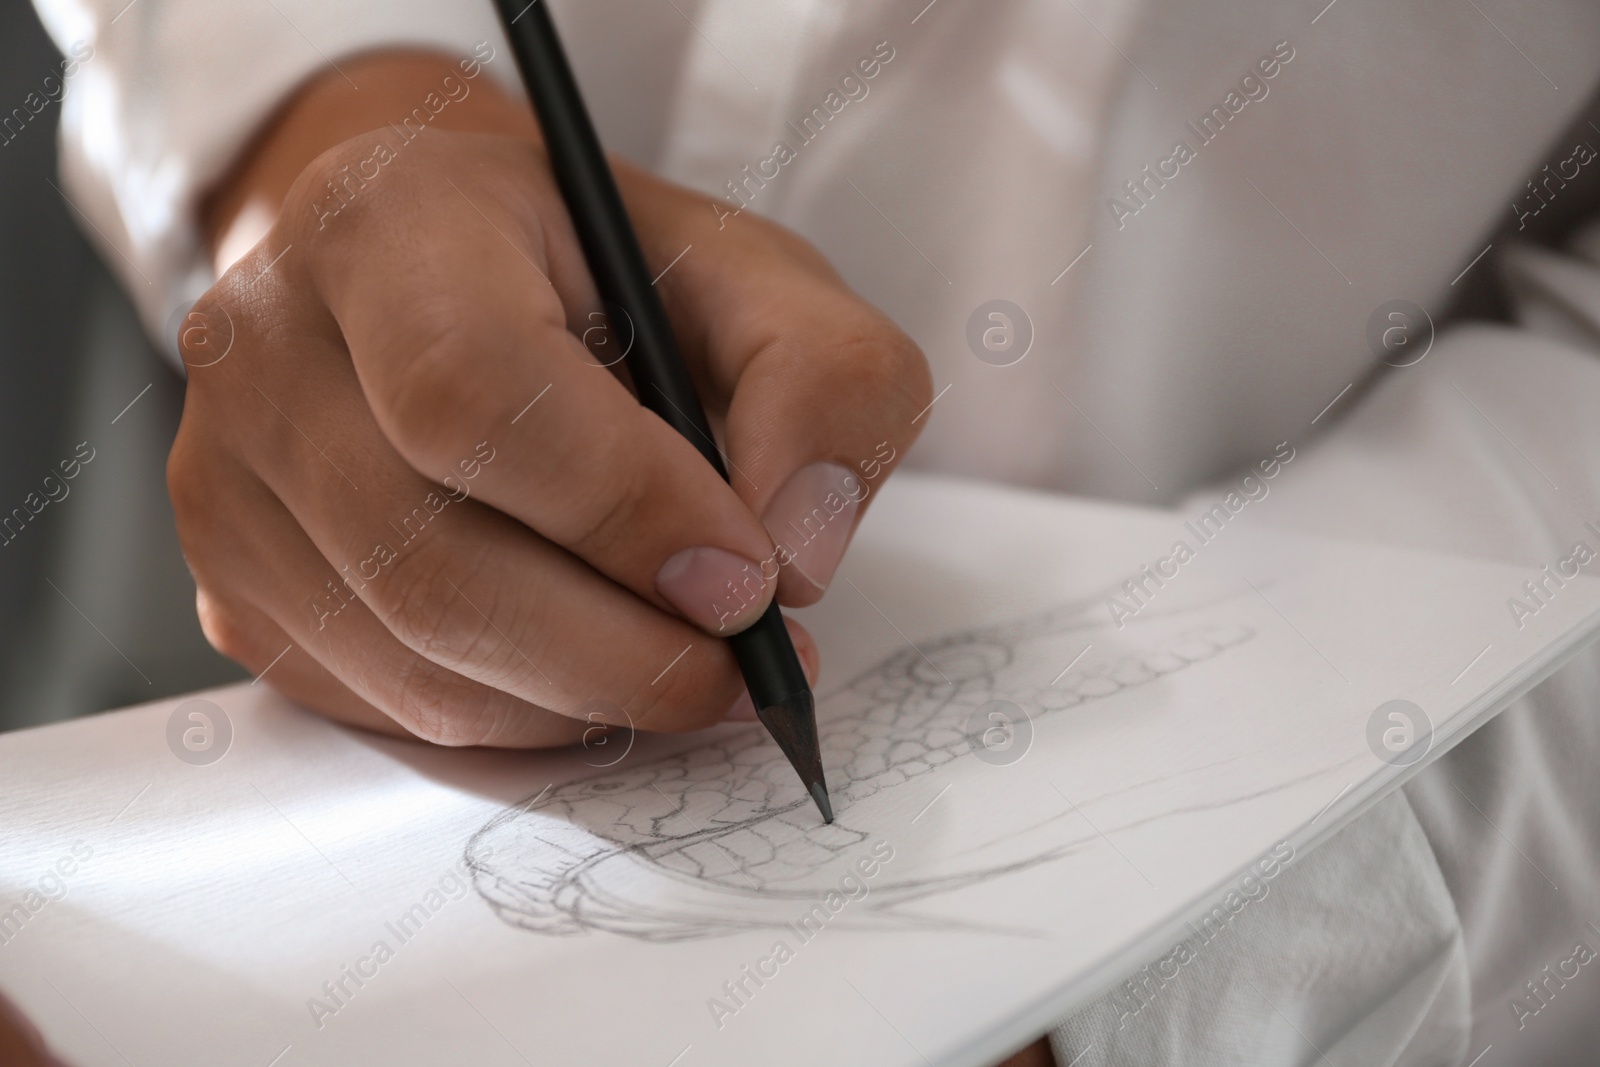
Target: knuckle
(335, 183)
(433, 616)
(418, 603)
(606, 513)
(430, 403)
(694, 694)
(196, 507)
(881, 361)
(183, 475)
(439, 708)
(765, 232)
(222, 629)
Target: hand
(399, 461)
(20, 1043)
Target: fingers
(465, 354)
(453, 520)
(458, 622)
(254, 549)
(822, 393)
(20, 1042)
(249, 637)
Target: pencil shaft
(609, 244)
(765, 652)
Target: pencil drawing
(723, 837)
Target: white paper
(324, 896)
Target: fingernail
(714, 588)
(743, 710)
(812, 516)
(806, 647)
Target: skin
(370, 351)
(346, 364)
(20, 1043)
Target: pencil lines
(1079, 812)
(682, 809)
(899, 719)
(540, 795)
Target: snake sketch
(723, 837)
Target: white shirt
(1189, 308)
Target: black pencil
(765, 653)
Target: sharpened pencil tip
(819, 793)
(792, 722)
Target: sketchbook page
(1039, 778)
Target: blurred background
(96, 605)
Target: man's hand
(400, 461)
(20, 1043)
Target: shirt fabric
(1193, 212)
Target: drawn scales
(723, 837)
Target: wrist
(411, 91)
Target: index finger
(474, 334)
(822, 393)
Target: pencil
(765, 653)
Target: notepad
(1050, 745)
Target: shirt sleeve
(162, 95)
